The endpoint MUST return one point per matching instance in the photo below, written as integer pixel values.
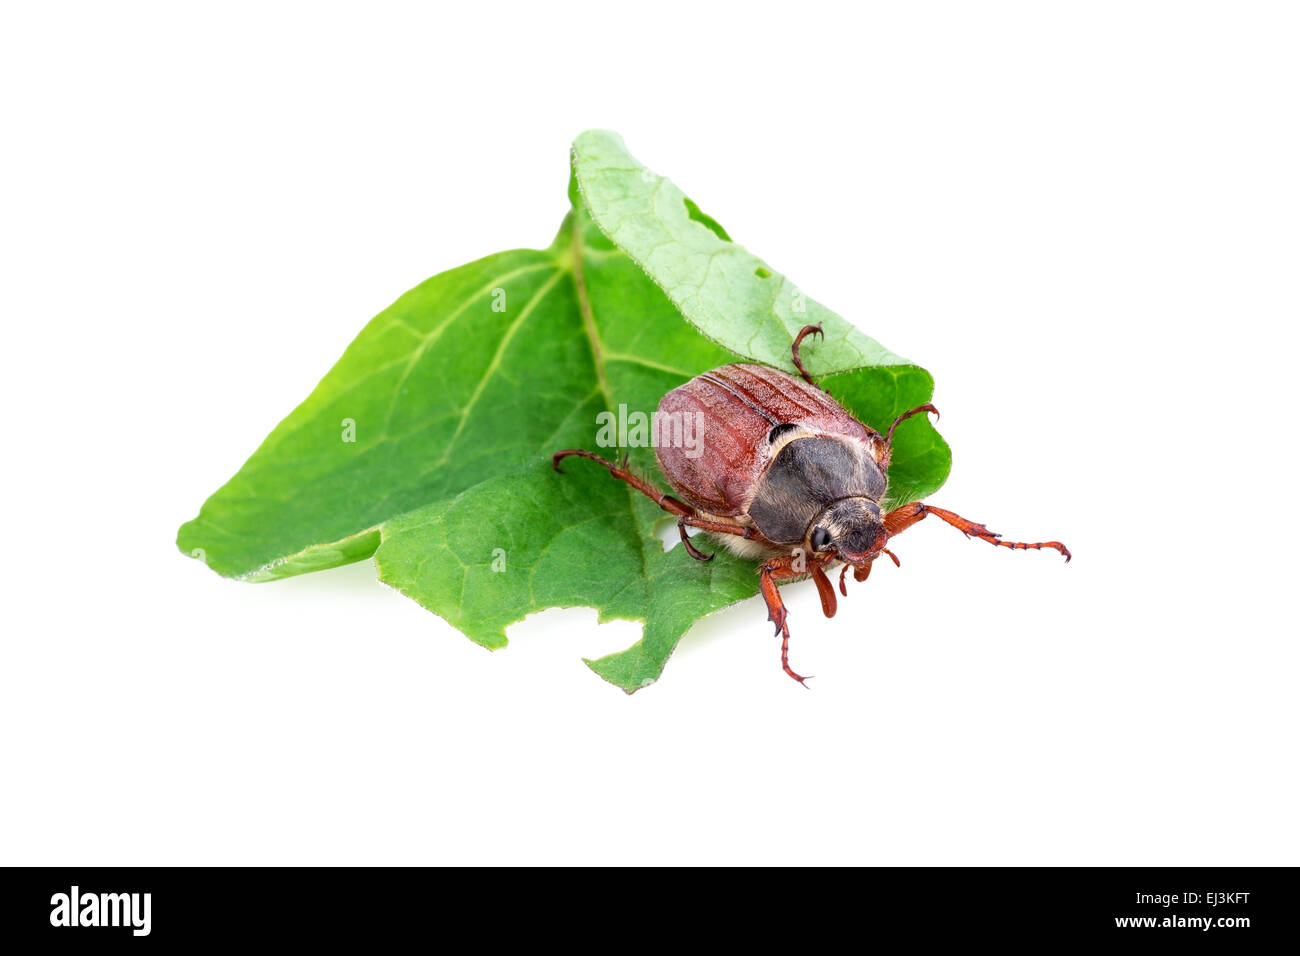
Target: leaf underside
(428, 444)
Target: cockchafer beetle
(786, 477)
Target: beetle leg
(686, 541)
(794, 350)
(776, 612)
(927, 407)
(686, 515)
(717, 527)
(900, 519)
(667, 502)
(720, 527)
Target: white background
(1081, 218)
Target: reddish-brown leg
(693, 551)
(900, 519)
(794, 350)
(719, 527)
(927, 407)
(667, 502)
(686, 515)
(779, 569)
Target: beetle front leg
(900, 519)
(772, 571)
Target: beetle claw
(695, 552)
(803, 681)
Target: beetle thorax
(828, 479)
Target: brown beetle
(786, 476)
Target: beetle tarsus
(785, 665)
(686, 540)
(900, 519)
(927, 407)
(784, 631)
(794, 350)
(667, 502)
(782, 568)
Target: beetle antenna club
(787, 477)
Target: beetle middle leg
(686, 515)
(719, 527)
(927, 407)
(794, 350)
(900, 519)
(773, 570)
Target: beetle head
(850, 528)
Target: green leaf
(741, 302)
(428, 444)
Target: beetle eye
(821, 539)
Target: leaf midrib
(602, 380)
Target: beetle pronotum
(787, 477)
